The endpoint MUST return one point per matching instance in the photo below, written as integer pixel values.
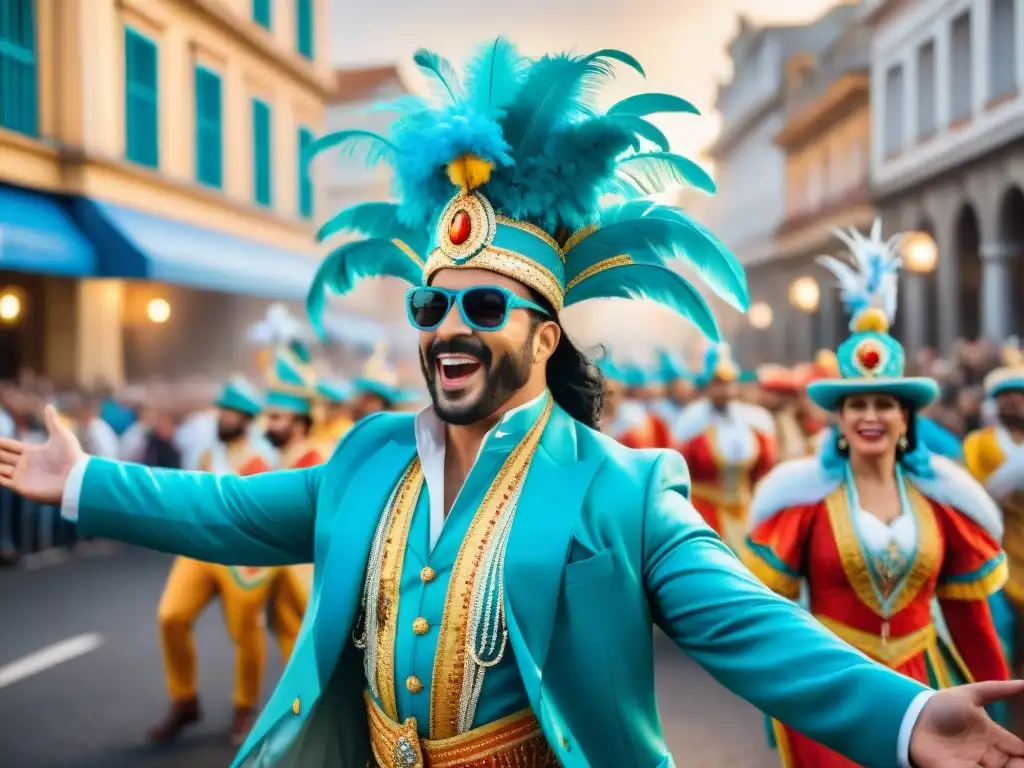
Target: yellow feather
(469, 172)
(871, 320)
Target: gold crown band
(505, 262)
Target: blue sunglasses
(483, 307)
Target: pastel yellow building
(152, 198)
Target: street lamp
(760, 315)
(158, 310)
(10, 307)
(920, 252)
(804, 294)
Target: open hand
(954, 731)
(39, 472)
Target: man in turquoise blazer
(592, 544)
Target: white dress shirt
(430, 445)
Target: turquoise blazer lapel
(355, 510)
(539, 543)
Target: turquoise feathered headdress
(718, 364)
(506, 174)
(671, 368)
(871, 359)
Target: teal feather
(557, 90)
(652, 234)
(375, 146)
(640, 128)
(375, 220)
(656, 171)
(494, 75)
(652, 282)
(644, 104)
(301, 351)
(407, 103)
(442, 69)
(350, 263)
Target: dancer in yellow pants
(243, 591)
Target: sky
(680, 43)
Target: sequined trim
(925, 564)
(482, 227)
(594, 269)
(893, 651)
(579, 236)
(505, 262)
(515, 741)
(375, 626)
(534, 230)
(473, 631)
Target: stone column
(995, 290)
(949, 280)
(912, 307)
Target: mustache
(460, 345)
(1012, 420)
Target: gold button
(295, 706)
(421, 626)
(428, 574)
(565, 743)
(413, 684)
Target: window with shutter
(142, 123)
(261, 152)
(261, 12)
(304, 27)
(306, 203)
(209, 132)
(18, 79)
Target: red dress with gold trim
(636, 427)
(880, 596)
(726, 458)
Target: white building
(751, 169)
(947, 157)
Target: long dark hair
(575, 382)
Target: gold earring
(902, 445)
(841, 443)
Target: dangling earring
(842, 445)
(902, 445)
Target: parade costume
(678, 384)
(193, 584)
(495, 636)
(727, 451)
(331, 428)
(291, 387)
(996, 460)
(792, 440)
(631, 423)
(875, 585)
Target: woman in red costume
(900, 548)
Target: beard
(278, 439)
(504, 377)
(1012, 420)
(229, 434)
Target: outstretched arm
(763, 647)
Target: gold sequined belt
(734, 502)
(893, 652)
(516, 741)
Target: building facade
(751, 168)
(825, 137)
(152, 193)
(947, 157)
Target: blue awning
(37, 234)
(135, 244)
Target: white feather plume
(872, 281)
(279, 327)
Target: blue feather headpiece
(506, 172)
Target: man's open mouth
(456, 370)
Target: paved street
(87, 701)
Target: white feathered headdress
(278, 328)
(874, 281)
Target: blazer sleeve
(265, 519)
(974, 568)
(776, 547)
(760, 646)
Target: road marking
(49, 657)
